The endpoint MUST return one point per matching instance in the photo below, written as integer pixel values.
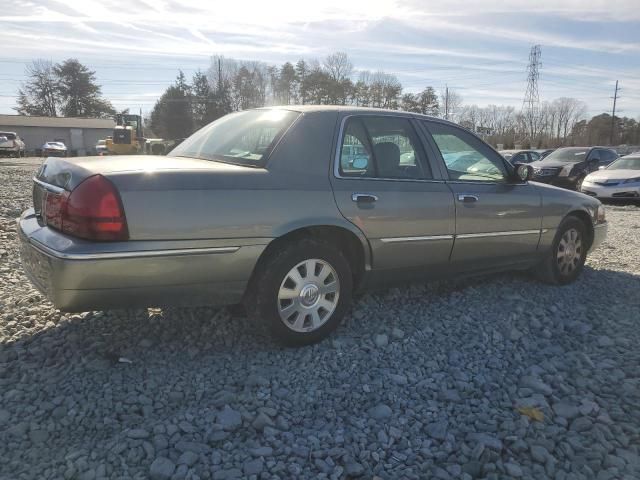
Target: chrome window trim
(416, 239)
(48, 186)
(499, 234)
(336, 160)
(134, 254)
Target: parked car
(621, 179)
(270, 207)
(11, 145)
(567, 167)
(101, 148)
(54, 149)
(544, 152)
(516, 157)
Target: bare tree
(569, 112)
(451, 102)
(338, 66)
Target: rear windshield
(243, 138)
(8, 136)
(568, 155)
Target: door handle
(468, 198)
(364, 197)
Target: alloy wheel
(308, 295)
(569, 252)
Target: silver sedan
(292, 210)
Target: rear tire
(565, 261)
(303, 291)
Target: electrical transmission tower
(531, 102)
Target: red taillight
(92, 211)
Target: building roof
(60, 122)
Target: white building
(80, 135)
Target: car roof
(352, 109)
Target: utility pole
(613, 114)
(446, 102)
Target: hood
(67, 173)
(617, 174)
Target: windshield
(8, 136)
(568, 155)
(242, 138)
(625, 163)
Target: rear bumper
(619, 191)
(76, 278)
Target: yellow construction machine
(127, 136)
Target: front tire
(303, 291)
(565, 261)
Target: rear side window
(381, 147)
(243, 138)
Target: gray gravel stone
(161, 469)
(566, 410)
(513, 470)
(381, 340)
(536, 384)
(437, 430)
(261, 421)
(380, 412)
(253, 467)
(229, 418)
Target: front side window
(608, 156)
(243, 138)
(465, 156)
(381, 147)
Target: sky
(478, 48)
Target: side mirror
(524, 172)
(602, 167)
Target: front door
(498, 220)
(383, 183)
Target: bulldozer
(127, 136)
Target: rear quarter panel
(252, 204)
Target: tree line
(227, 85)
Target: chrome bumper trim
(134, 254)
(48, 186)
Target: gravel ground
(499, 377)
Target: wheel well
(586, 219)
(348, 243)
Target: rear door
(384, 184)
(498, 221)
